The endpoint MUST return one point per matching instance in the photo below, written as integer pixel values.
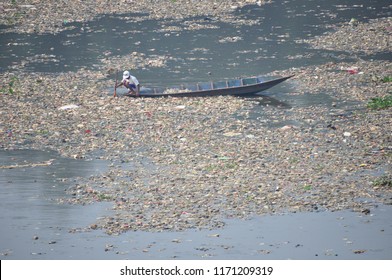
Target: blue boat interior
(234, 83)
(146, 90)
(206, 85)
(249, 81)
(219, 85)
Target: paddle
(115, 85)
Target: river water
(36, 226)
(271, 41)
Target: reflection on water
(28, 196)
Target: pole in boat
(115, 85)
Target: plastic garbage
(68, 107)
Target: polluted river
(300, 171)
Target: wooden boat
(242, 86)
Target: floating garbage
(68, 107)
(52, 16)
(367, 38)
(353, 70)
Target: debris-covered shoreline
(181, 163)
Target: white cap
(126, 75)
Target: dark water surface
(273, 42)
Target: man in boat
(131, 83)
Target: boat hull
(237, 87)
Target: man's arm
(120, 84)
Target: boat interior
(206, 85)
